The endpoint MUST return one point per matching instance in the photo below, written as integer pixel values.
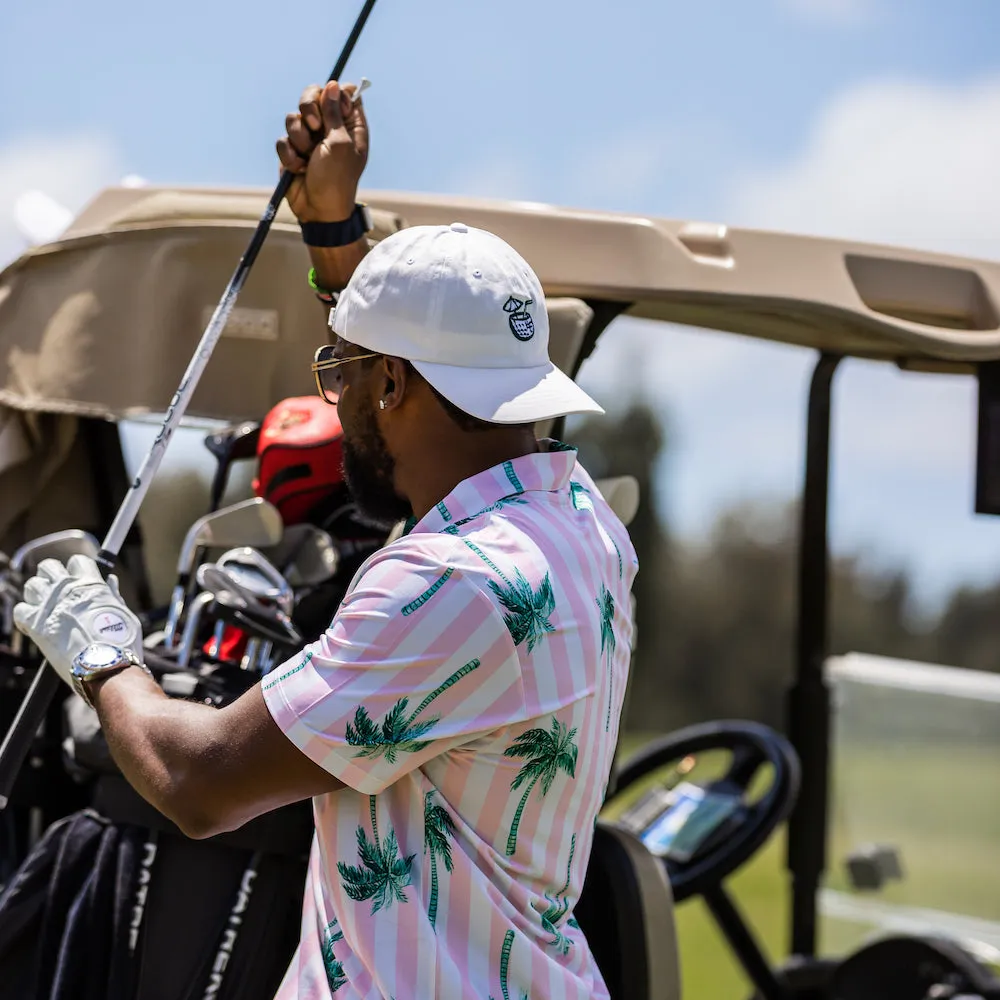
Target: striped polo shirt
(468, 696)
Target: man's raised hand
(326, 147)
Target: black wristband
(337, 234)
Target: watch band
(338, 234)
(81, 685)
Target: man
(455, 725)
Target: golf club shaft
(129, 509)
(18, 740)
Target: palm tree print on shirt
(508, 943)
(526, 610)
(383, 875)
(399, 732)
(548, 753)
(334, 970)
(580, 496)
(452, 529)
(418, 603)
(558, 907)
(606, 607)
(438, 828)
(508, 468)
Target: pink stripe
(490, 821)
(566, 574)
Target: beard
(369, 473)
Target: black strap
(336, 234)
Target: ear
(393, 383)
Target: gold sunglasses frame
(318, 367)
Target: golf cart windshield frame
(809, 696)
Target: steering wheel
(752, 747)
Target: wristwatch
(100, 659)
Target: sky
(869, 119)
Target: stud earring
(381, 404)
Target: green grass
(940, 804)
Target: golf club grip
(17, 742)
(30, 715)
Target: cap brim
(508, 395)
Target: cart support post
(809, 696)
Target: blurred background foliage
(716, 620)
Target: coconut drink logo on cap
(468, 312)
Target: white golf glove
(65, 608)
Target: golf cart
(95, 331)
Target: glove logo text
(108, 624)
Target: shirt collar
(543, 471)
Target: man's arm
(208, 770)
(326, 147)
(212, 770)
(335, 265)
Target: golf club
(250, 587)
(190, 633)
(270, 624)
(43, 689)
(251, 655)
(265, 658)
(254, 522)
(217, 579)
(231, 444)
(257, 575)
(23, 563)
(306, 556)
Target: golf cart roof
(103, 320)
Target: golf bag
(115, 902)
(44, 791)
(299, 457)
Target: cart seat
(626, 911)
(622, 496)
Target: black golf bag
(114, 902)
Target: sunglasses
(326, 369)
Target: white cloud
(69, 169)
(896, 162)
(843, 12)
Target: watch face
(100, 654)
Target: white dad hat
(466, 310)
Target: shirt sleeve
(417, 662)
